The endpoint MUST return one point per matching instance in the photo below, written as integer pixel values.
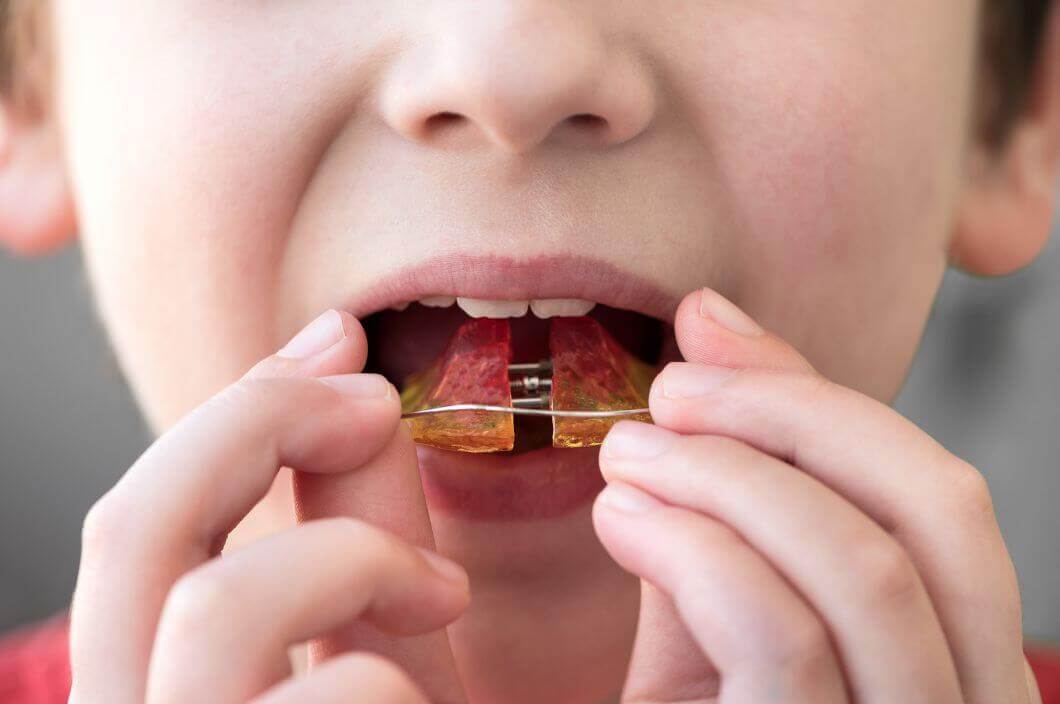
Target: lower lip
(540, 484)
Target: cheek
(840, 158)
(182, 235)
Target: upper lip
(502, 278)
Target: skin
(226, 182)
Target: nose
(516, 75)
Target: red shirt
(35, 666)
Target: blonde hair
(24, 54)
(1010, 47)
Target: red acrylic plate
(592, 372)
(473, 369)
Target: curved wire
(547, 412)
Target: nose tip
(517, 83)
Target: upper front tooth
(479, 308)
(438, 301)
(400, 306)
(561, 307)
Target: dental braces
(533, 381)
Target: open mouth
(410, 336)
(411, 315)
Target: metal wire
(547, 412)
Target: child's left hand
(800, 542)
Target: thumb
(387, 493)
(710, 329)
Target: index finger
(174, 507)
(386, 492)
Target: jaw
(552, 617)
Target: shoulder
(35, 664)
(1046, 665)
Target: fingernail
(316, 337)
(725, 313)
(636, 441)
(446, 568)
(684, 380)
(627, 499)
(359, 385)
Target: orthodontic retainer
(590, 383)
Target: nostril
(583, 129)
(443, 120)
(585, 121)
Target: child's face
(239, 167)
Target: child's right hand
(160, 616)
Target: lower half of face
(234, 180)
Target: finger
(226, 627)
(853, 573)
(307, 355)
(711, 330)
(174, 507)
(334, 343)
(372, 679)
(667, 664)
(386, 492)
(937, 507)
(766, 641)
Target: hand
(799, 542)
(160, 616)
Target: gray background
(986, 384)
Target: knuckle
(253, 394)
(274, 366)
(687, 576)
(106, 526)
(731, 462)
(247, 393)
(374, 547)
(885, 574)
(716, 449)
(265, 398)
(816, 389)
(196, 601)
(971, 496)
(803, 651)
